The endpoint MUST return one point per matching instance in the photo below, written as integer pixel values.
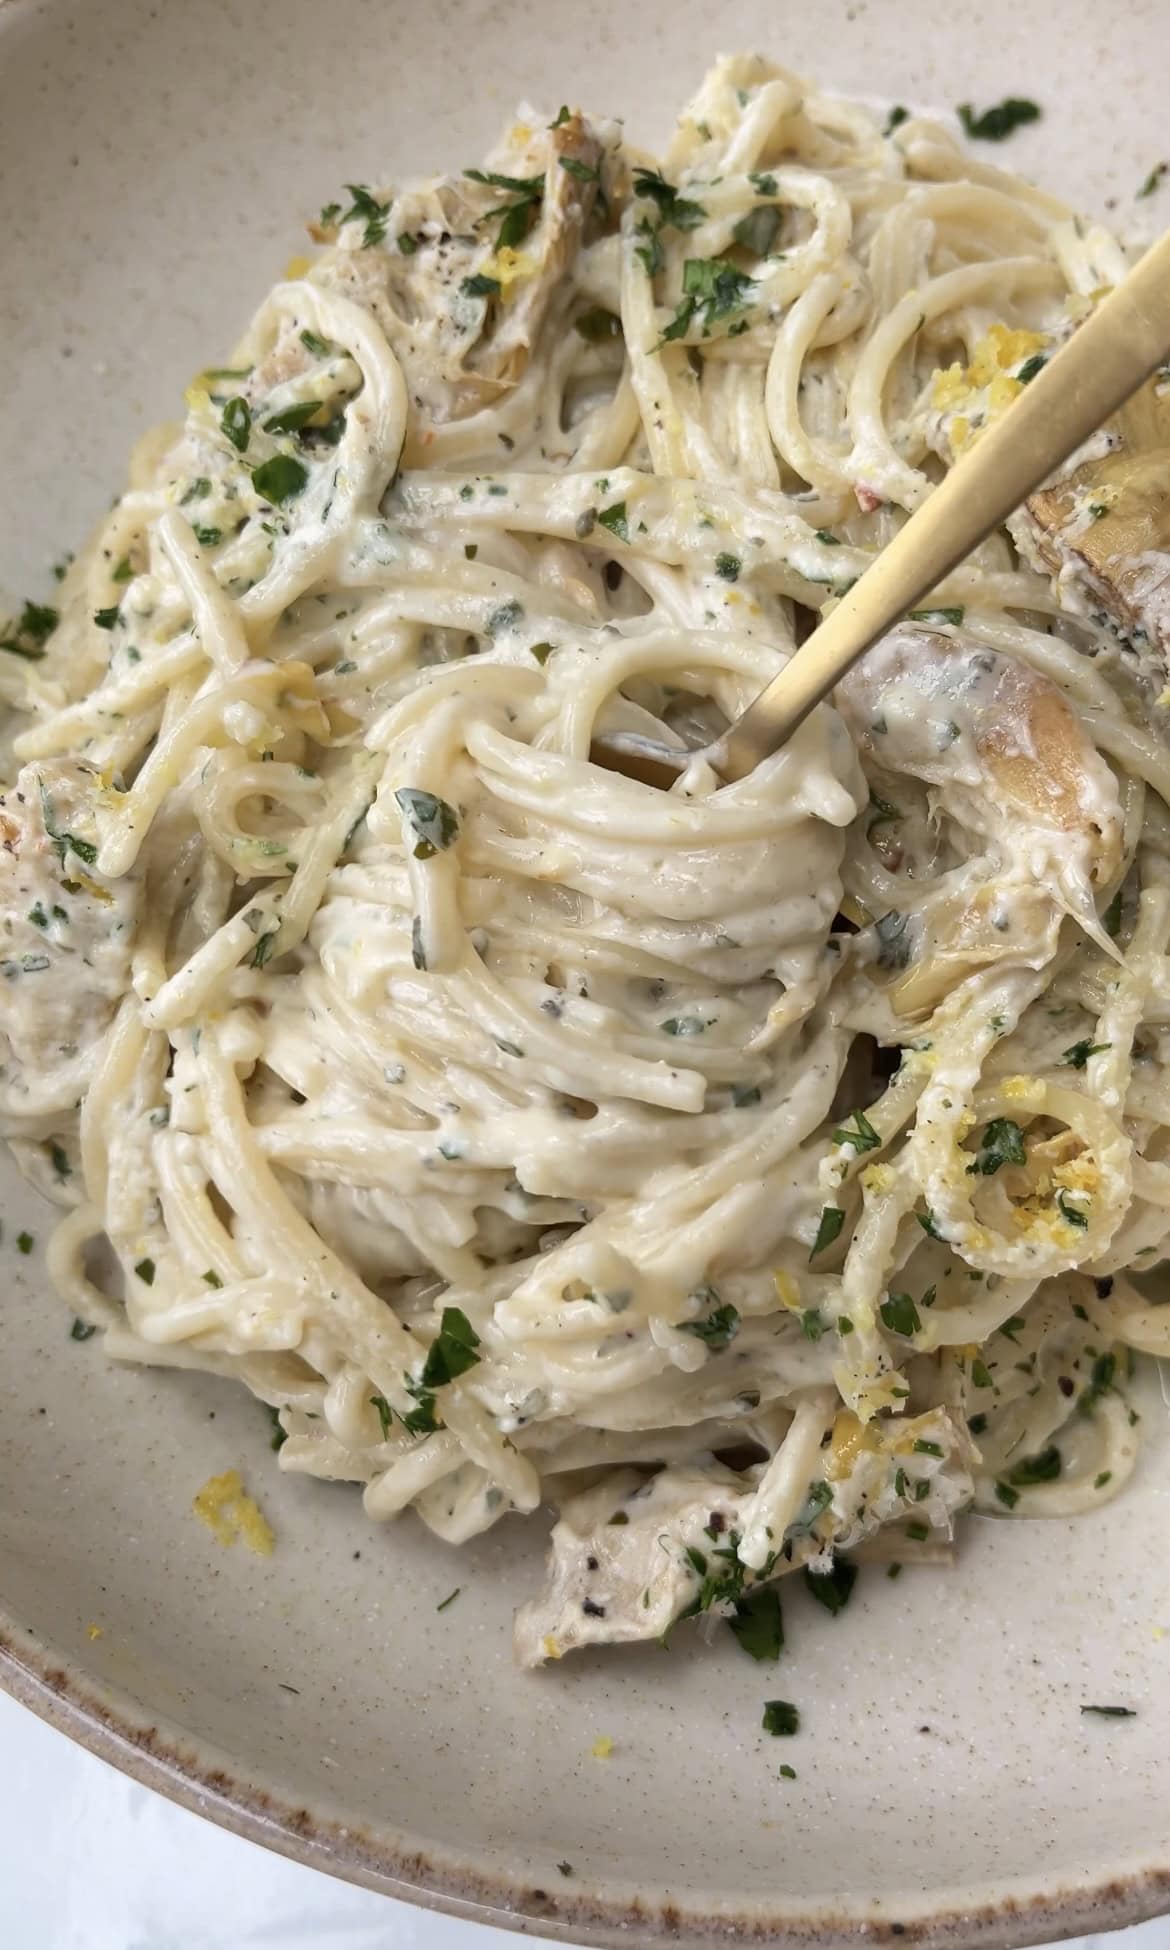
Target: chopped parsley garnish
(728, 567)
(675, 211)
(717, 1329)
(517, 217)
(64, 842)
(561, 117)
(812, 1325)
(1042, 1468)
(313, 342)
(385, 1414)
(1072, 1213)
(450, 1600)
(542, 652)
(1154, 179)
(1002, 1144)
(407, 243)
(758, 1623)
(293, 418)
(820, 1495)
(435, 824)
(1078, 1054)
(1099, 1482)
(366, 206)
(650, 252)
(582, 172)
(280, 479)
(597, 325)
(1007, 1496)
(831, 1221)
(59, 1158)
(107, 619)
(900, 1315)
(480, 286)
(122, 571)
(36, 623)
(145, 1270)
(742, 1096)
(919, 1532)
(82, 1330)
(980, 1374)
(25, 1243)
(452, 1351)
(684, 1025)
(924, 1448)
(780, 1716)
(614, 518)
(279, 1432)
(713, 289)
(833, 1588)
(995, 124)
(1112, 1712)
(895, 119)
(863, 1137)
(954, 616)
(208, 537)
(826, 538)
(787, 1773)
(1031, 367)
(927, 1221)
(236, 421)
(764, 182)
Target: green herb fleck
(279, 479)
(900, 1315)
(450, 1600)
(236, 421)
(614, 518)
(434, 823)
(1002, 1144)
(995, 124)
(728, 567)
(145, 1270)
(832, 1588)
(863, 1137)
(758, 1623)
(716, 1329)
(82, 1330)
(452, 1351)
(831, 1221)
(1078, 1054)
(780, 1717)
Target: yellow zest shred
(233, 1516)
(602, 1748)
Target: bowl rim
(110, 1724)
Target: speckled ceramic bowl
(155, 157)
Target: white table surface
(91, 1861)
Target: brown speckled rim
(110, 1725)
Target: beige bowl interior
(155, 161)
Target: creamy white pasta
(753, 1172)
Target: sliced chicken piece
(65, 940)
(633, 1554)
(570, 191)
(1103, 526)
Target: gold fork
(1090, 377)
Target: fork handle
(1095, 371)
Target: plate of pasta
(533, 1297)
